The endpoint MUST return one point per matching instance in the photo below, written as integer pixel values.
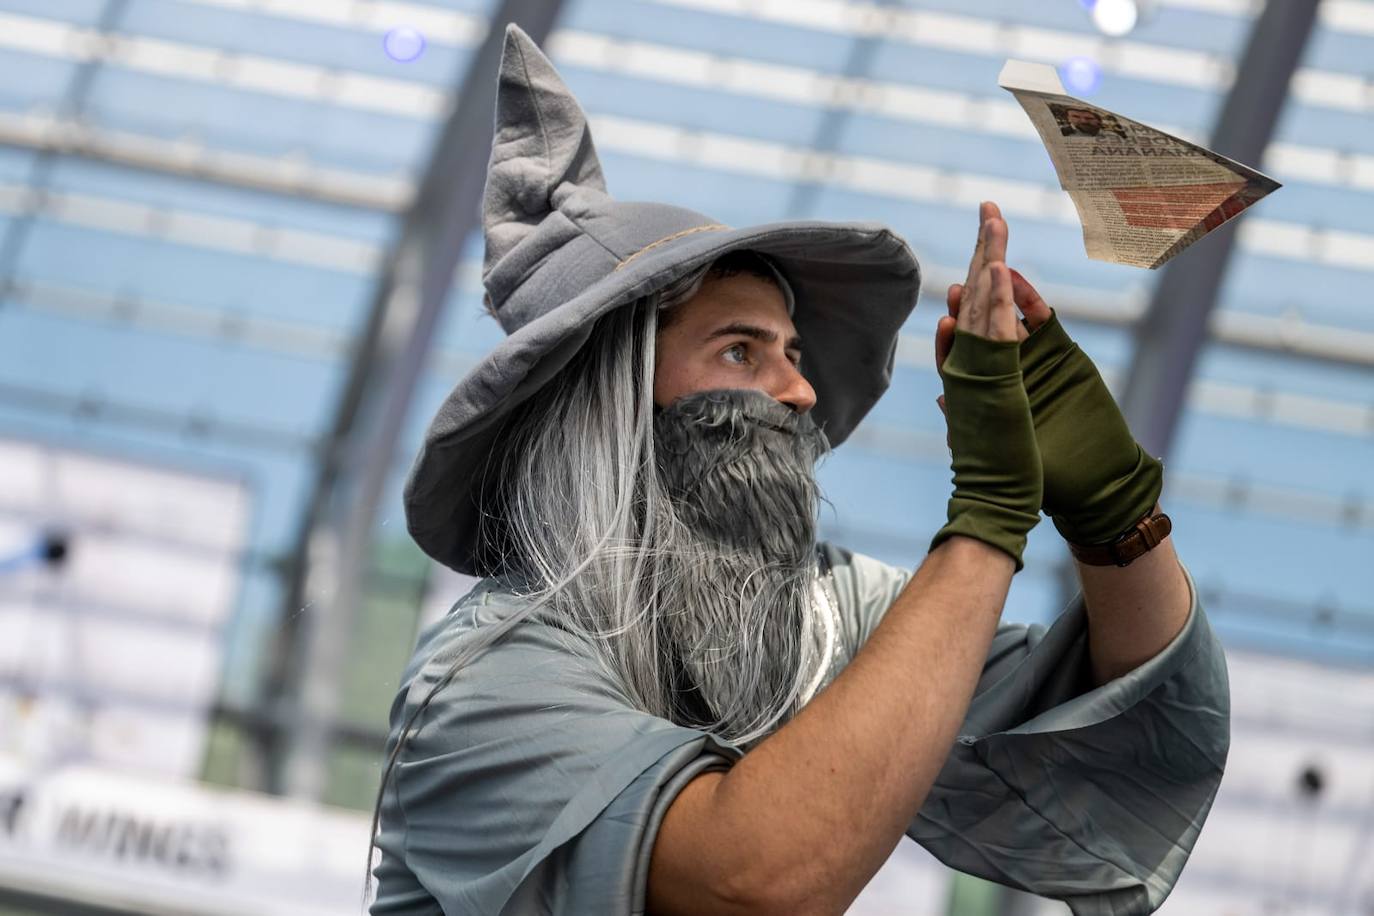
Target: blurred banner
(96, 837)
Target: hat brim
(854, 284)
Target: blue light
(404, 44)
(25, 558)
(1081, 75)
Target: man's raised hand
(1097, 480)
(994, 291)
(985, 284)
(989, 289)
(996, 464)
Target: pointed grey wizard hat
(560, 253)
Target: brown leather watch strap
(1141, 539)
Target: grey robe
(533, 786)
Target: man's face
(735, 559)
(734, 333)
(1085, 122)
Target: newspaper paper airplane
(1142, 195)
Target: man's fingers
(1035, 309)
(1001, 320)
(975, 264)
(944, 340)
(973, 308)
(995, 232)
(986, 303)
(952, 297)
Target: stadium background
(206, 205)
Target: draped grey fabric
(532, 786)
(1091, 796)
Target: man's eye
(739, 353)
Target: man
(666, 696)
(1088, 122)
(1081, 122)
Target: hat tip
(517, 36)
(519, 49)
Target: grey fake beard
(735, 599)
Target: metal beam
(830, 131)
(1175, 325)
(286, 175)
(71, 105)
(334, 547)
(190, 428)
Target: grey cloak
(531, 785)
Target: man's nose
(790, 387)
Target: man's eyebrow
(752, 330)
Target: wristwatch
(1143, 537)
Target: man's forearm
(820, 804)
(1133, 611)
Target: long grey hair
(583, 517)
(578, 516)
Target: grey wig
(576, 514)
(586, 521)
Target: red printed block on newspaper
(1181, 206)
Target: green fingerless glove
(997, 488)
(1098, 480)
